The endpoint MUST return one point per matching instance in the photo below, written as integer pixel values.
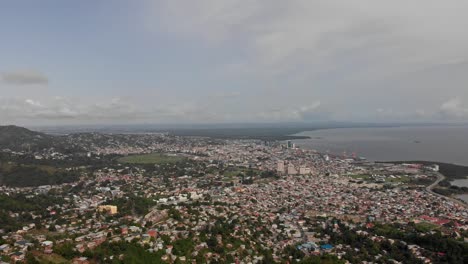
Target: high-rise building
(303, 170)
(280, 167)
(291, 169)
(289, 144)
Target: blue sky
(211, 61)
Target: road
(441, 177)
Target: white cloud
(24, 77)
(313, 112)
(60, 108)
(33, 103)
(114, 110)
(454, 108)
(315, 36)
(356, 55)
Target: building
(303, 170)
(110, 209)
(280, 167)
(291, 169)
(289, 144)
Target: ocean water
(432, 143)
(463, 197)
(460, 182)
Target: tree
(30, 259)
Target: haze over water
(432, 143)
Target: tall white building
(291, 169)
(303, 170)
(280, 167)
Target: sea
(430, 143)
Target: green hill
(22, 139)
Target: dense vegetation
(451, 190)
(264, 132)
(18, 138)
(450, 171)
(131, 253)
(24, 206)
(133, 205)
(31, 175)
(452, 251)
(22, 139)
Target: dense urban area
(160, 198)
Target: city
(230, 131)
(225, 200)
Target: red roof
(442, 222)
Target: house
(48, 247)
(80, 260)
(145, 238)
(5, 248)
(22, 243)
(124, 230)
(47, 243)
(153, 233)
(326, 247)
(17, 256)
(135, 229)
(80, 248)
(41, 238)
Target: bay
(430, 143)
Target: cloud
(60, 108)
(357, 56)
(26, 77)
(454, 109)
(114, 110)
(226, 95)
(313, 112)
(284, 37)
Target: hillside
(19, 139)
(22, 139)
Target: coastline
(406, 144)
(448, 171)
(430, 189)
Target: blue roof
(308, 245)
(326, 246)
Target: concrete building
(280, 167)
(303, 170)
(110, 209)
(291, 169)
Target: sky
(228, 61)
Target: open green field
(52, 258)
(426, 227)
(153, 158)
(231, 174)
(402, 179)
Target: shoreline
(433, 160)
(430, 189)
